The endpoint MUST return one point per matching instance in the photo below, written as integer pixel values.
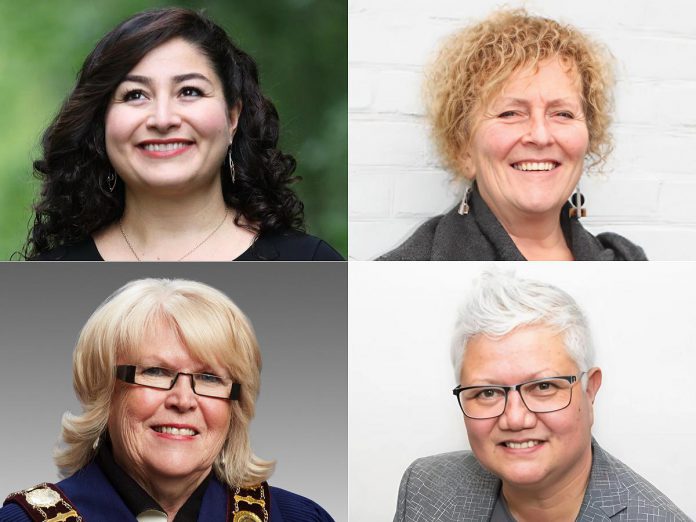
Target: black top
(135, 497)
(286, 246)
(479, 236)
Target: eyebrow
(179, 78)
(521, 101)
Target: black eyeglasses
(539, 396)
(204, 384)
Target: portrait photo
(113, 150)
(58, 329)
(430, 117)
(405, 327)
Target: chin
(521, 476)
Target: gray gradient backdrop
(299, 312)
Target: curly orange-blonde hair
(474, 64)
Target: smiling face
(529, 144)
(142, 419)
(168, 125)
(521, 447)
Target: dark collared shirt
(135, 497)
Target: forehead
(527, 352)
(548, 80)
(174, 57)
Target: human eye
(508, 114)
(544, 387)
(190, 91)
(487, 394)
(210, 378)
(133, 95)
(155, 371)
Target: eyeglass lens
(203, 383)
(541, 396)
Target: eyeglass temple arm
(126, 373)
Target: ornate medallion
(245, 516)
(42, 497)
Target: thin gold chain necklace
(125, 237)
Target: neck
(539, 237)
(559, 500)
(168, 228)
(172, 494)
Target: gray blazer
(479, 236)
(453, 487)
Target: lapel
(606, 496)
(94, 497)
(474, 497)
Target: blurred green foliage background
(300, 47)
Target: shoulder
(606, 246)
(624, 250)
(446, 488)
(85, 250)
(294, 507)
(443, 468)
(13, 513)
(290, 246)
(418, 247)
(641, 496)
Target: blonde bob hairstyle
(474, 64)
(207, 323)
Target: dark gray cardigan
(479, 236)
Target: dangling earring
(464, 205)
(577, 200)
(231, 163)
(111, 180)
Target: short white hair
(501, 302)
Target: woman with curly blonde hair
(167, 372)
(519, 106)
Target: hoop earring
(111, 180)
(230, 163)
(577, 202)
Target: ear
(594, 382)
(235, 111)
(465, 166)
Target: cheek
(119, 126)
(211, 120)
(479, 433)
(575, 142)
(493, 144)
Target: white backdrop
(401, 315)
(396, 182)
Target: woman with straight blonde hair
(167, 372)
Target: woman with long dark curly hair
(166, 149)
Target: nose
(181, 397)
(164, 115)
(539, 131)
(516, 416)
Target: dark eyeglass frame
(126, 373)
(572, 379)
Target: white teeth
(545, 165)
(175, 431)
(522, 445)
(164, 147)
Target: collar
(138, 501)
(461, 236)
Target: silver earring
(231, 163)
(111, 181)
(577, 202)
(464, 205)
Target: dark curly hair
(74, 201)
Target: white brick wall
(395, 179)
